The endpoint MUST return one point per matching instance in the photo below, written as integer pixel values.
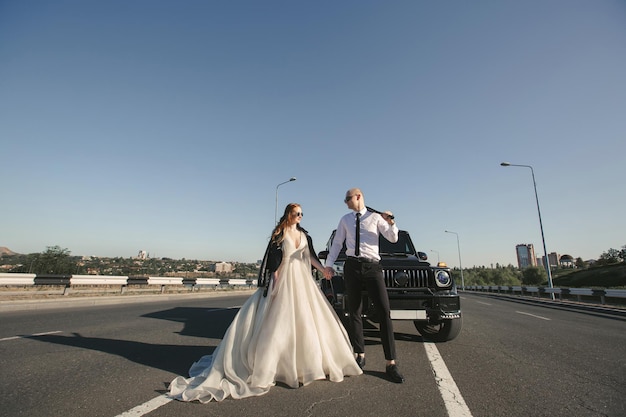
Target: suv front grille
(417, 278)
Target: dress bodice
(290, 245)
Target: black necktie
(357, 241)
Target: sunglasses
(298, 214)
(345, 200)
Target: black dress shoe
(360, 360)
(393, 374)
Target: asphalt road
(511, 359)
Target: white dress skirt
(292, 336)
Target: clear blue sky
(166, 126)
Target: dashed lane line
(533, 315)
(27, 336)
(146, 407)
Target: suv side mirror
(323, 254)
(422, 256)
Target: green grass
(610, 276)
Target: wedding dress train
(291, 336)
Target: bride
(285, 332)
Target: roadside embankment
(29, 298)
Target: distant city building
(221, 267)
(554, 257)
(142, 254)
(525, 255)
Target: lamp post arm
(276, 199)
(543, 239)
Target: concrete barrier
(65, 282)
(601, 294)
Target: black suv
(417, 291)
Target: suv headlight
(442, 278)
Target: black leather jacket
(272, 259)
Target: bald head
(353, 191)
(354, 199)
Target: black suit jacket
(273, 257)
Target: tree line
(532, 275)
(56, 260)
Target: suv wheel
(442, 332)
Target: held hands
(329, 272)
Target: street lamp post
(437, 255)
(458, 246)
(276, 204)
(543, 239)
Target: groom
(360, 230)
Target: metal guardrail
(17, 279)
(69, 281)
(579, 293)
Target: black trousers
(358, 275)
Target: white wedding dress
(292, 336)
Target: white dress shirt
(372, 224)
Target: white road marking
(147, 407)
(26, 336)
(480, 302)
(222, 309)
(452, 398)
(532, 315)
(44, 333)
(161, 400)
(140, 410)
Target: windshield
(402, 246)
